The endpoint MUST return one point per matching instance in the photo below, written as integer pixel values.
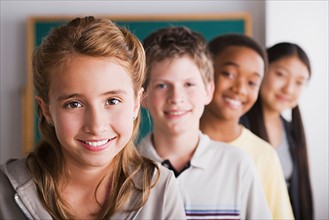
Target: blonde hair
(96, 38)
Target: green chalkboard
(38, 27)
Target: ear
(138, 101)
(44, 108)
(210, 88)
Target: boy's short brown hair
(175, 42)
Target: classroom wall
(306, 23)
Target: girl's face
(177, 95)
(238, 74)
(283, 84)
(91, 104)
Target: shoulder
(146, 149)
(261, 152)
(164, 179)
(18, 190)
(16, 172)
(13, 179)
(220, 152)
(164, 201)
(144, 145)
(255, 143)
(165, 176)
(219, 147)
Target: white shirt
(221, 182)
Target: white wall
(306, 23)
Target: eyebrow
(169, 80)
(287, 70)
(229, 63)
(76, 95)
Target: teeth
(234, 102)
(176, 113)
(96, 143)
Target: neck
(82, 176)
(270, 115)
(178, 148)
(273, 126)
(219, 129)
(86, 188)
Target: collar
(26, 194)
(242, 139)
(198, 160)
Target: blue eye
(113, 101)
(73, 105)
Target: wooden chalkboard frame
(209, 25)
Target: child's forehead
(236, 53)
(235, 49)
(180, 66)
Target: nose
(176, 95)
(96, 121)
(289, 87)
(239, 86)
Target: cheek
(296, 97)
(252, 97)
(67, 125)
(156, 99)
(123, 124)
(268, 89)
(219, 88)
(222, 83)
(122, 118)
(298, 93)
(198, 97)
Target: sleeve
(165, 200)
(254, 205)
(276, 190)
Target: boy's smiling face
(238, 75)
(177, 95)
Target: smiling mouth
(282, 98)
(97, 143)
(233, 102)
(175, 113)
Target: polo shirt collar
(199, 158)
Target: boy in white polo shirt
(216, 180)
